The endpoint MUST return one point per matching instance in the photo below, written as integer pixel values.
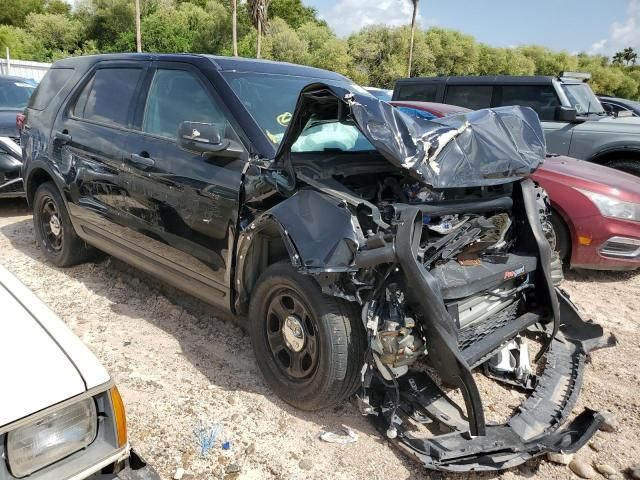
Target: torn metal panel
(321, 228)
(480, 148)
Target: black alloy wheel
(291, 334)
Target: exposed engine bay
(452, 270)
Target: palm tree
(629, 56)
(259, 20)
(413, 34)
(618, 58)
(138, 34)
(234, 26)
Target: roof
(222, 63)
(489, 80)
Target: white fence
(23, 68)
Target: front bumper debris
(413, 411)
(537, 428)
(135, 468)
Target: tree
(294, 13)
(629, 56)
(234, 26)
(413, 35)
(15, 12)
(618, 58)
(258, 10)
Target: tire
(563, 237)
(317, 362)
(53, 229)
(626, 165)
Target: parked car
(291, 196)
(61, 416)
(10, 169)
(383, 94)
(15, 93)
(595, 211)
(614, 106)
(574, 121)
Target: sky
(593, 26)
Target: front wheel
(53, 229)
(309, 346)
(626, 165)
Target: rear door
(474, 97)
(184, 207)
(88, 145)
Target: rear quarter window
(542, 98)
(52, 83)
(474, 97)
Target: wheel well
(37, 178)
(267, 247)
(605, 158)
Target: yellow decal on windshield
(284, 118)
(272, 137)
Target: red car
(595, 210)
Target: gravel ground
(181, 365)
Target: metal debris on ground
(330, 437)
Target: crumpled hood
(483, 147)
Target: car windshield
(14, 95)
(583, 99)
(271, 100)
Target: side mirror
(566, 114)
(201, 138)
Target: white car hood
(41, 361)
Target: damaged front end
(443, 247)
(11, 184)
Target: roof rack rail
(585, 77)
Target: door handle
(63, 136)
(142, 160)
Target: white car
(61, 416)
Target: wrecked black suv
(394, 260)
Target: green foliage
(46, 30)
(293, 12)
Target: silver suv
(574, 121)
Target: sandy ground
(179, 366)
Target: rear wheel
(626, 165)
(53, 229)
(309, 346)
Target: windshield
(582, 98)
(271, 100)
(14, 95)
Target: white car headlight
(612, 207)
(52, 438)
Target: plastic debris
(226, 445)
(206, 437)
(330, 437)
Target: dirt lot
(178, 366)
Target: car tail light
(20, 118)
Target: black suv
(357, 241)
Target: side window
(108, 97)
(176, 96)
(424, 93)
(542, 99)
(54, 80)
(474, 97)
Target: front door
(185, 207)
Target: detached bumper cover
(537, 428)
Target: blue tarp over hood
(484, 147)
